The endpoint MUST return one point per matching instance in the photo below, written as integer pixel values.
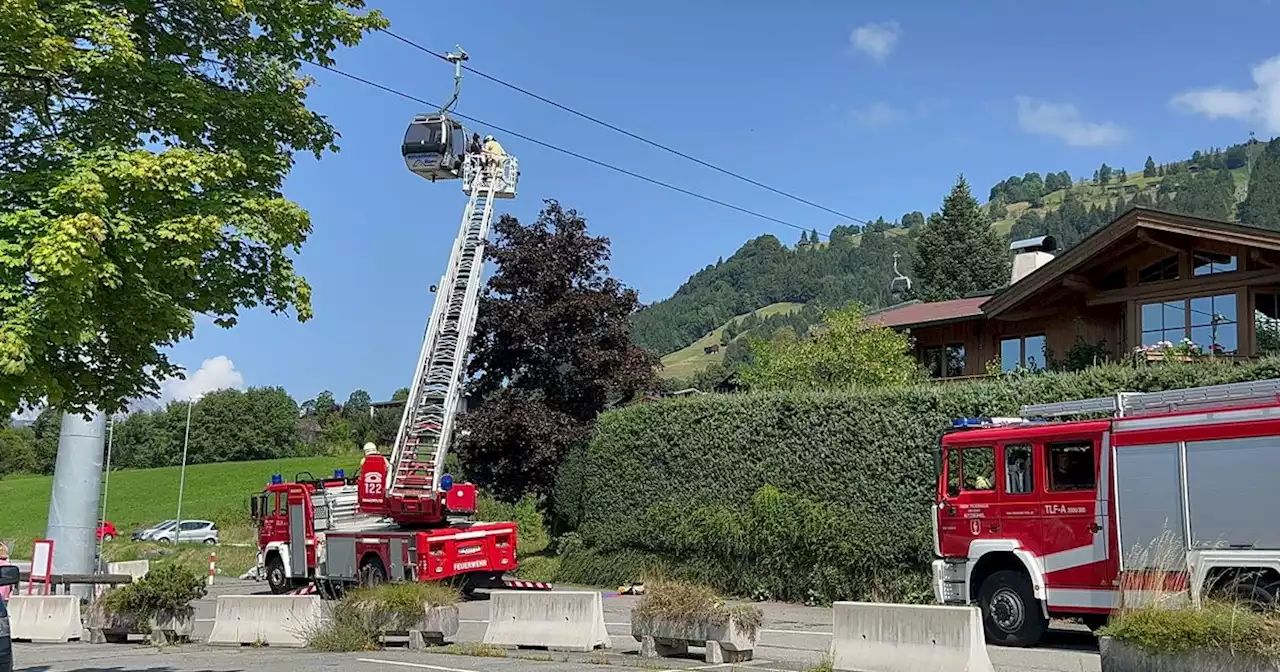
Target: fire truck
(1080, 508)
(401, 517)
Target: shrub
(531, 532)
(797, 495)
(1218, 625)
(358, 620)
(169, 587)
(690, 605)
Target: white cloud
(1260, 104)
(876, 115)
(217, 373)
(876, 40)
(1062, 121)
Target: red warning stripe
(525, 585)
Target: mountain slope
(694, 357)
(856, 263)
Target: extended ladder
(427, 421)
(1127, 404)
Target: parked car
(146, 533)
(8, 577)
(106, 530)
(192, 531)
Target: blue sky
(869, 108)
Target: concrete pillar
(73, 508)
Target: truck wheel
(1011, 615)
(275, 575)
(372, 573)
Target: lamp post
(106, 480)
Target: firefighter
(494, 155)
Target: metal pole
(182, 478)
(106, 479)
(77, 480)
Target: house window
(1024, 351)
(1266, 322)
(1165, 269)
(1209, 263)
(1208, 321)
(944, 362)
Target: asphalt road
(793, 638)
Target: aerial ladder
(417, 491)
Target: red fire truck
(1171, 495)
(402, 517)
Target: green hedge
(801, 496)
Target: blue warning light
(276, 479)
(339, 473)
(446, 482)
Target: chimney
(1030, 254)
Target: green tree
(959, 253)
(997, 209)
(1149, 168)
(804, 239)
(847, 354)
(1237, 157)
(1122, 176)
(17, 450)
(1261, 207)
(552, 350)
(913, 219)
(144, 147)
(1104, 174)
(813, 237)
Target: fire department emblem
(975, 526)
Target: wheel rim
(1007, 610)
(277, 576)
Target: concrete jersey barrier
(46, 619)
(559, 621)
(907, 638)
(134, 568)
(273, 620)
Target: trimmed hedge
(800, 496)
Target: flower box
(727, 642)
(1121, 656)
(165, 626)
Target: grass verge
(1217, 626)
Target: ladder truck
(1168, 496)
(402, 517)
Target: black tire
(210, 541)
(276, 579)
(107, 537)
(372, 572)
(1011, 615)
(1257, 596)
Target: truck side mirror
(10, 575)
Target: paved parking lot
(793, 638)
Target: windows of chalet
(944, 361)
(1165, 269)
(1022, 351)
(1209, 321)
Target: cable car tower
(435, 147)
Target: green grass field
(217, 492)
(691, 359)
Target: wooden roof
(1137, 226)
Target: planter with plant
(427, 613)
(1218, 636)
(158, 605)
(673, 616)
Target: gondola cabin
(434, 147)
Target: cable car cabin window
(977, 472)
(1071, 466)
(1019, 477)
(425, 137)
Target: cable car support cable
(627, 133)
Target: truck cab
(1022, 524)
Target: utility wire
(625, 132)
(567, 152)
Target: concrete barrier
(47, 619)
(273, 620)
(559, 621)
(134, 568)
(907, 638)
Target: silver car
(188, 532)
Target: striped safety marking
(305, 590)
(525, 585)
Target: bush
(1218, 626)
(169, 587)
(690, 605)
(531, 532)
(358, 620)
(797, 495)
